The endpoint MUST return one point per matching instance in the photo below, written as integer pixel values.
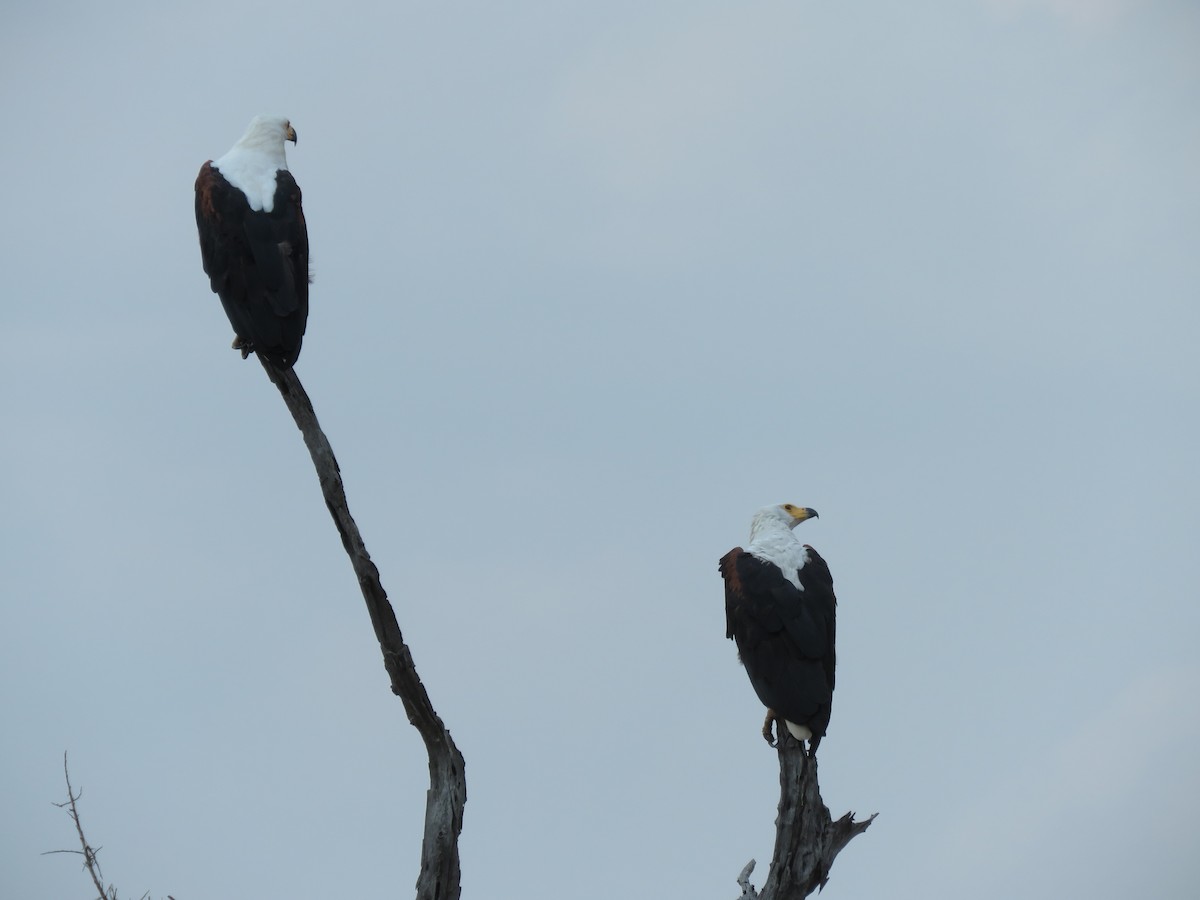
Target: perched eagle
(781, 611)
(254, 243)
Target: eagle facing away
(781, 611)
(254, 243)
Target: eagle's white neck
(771, 539)
(251, 165)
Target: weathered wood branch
(807, 839)
(440, 876)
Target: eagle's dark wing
(257, 262)
(785, 636)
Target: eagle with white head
(781, 612)
(254, 242)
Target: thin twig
(90, 862)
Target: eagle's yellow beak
(800, 513)
(291, 134)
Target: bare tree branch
(90, 861)
(440, 876)
(806, 838)
(748, 891)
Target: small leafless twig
(90, 862)
(89, 853)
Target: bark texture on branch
(807, 839)
(440, 876)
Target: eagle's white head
(787, 515)
(771, 538)
(268, 132)
(251, 163)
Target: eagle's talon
(768, 729)
(242, 345)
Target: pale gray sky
(594, 282)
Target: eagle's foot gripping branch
(768, 729)
(243, 345)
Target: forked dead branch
(807, 839)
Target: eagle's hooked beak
(291, 134)
(801, 514)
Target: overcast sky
(593, 283)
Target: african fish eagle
(780, 611)
(254, 243)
